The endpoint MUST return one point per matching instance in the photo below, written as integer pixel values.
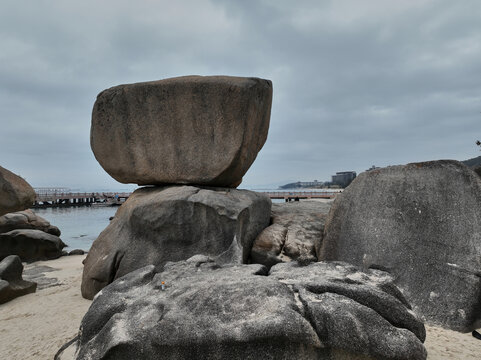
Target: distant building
(374, 167)
(343, 178)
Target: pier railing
(64, 197)
(79, 195)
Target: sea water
(79, 225)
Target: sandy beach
(35, 326)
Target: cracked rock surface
(208, 311)
(160, 224)
(295, 233)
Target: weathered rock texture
(186, 130)
(30, 245)
(422, 223)
(15, 193)
(156, 225)
(295, 234)
(323, 311)
(11, 283)
(26, 220)
(477, 170)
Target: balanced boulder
(15, 193)
(295, 233)
(186, 130)
(196, 309)
(30, 245)
(26, 219)
(11, 283)
(422, 223)
(160, 224)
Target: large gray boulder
(156, 225)
(422, 223)
(26, 219)
(30, 245)
(295, 233)
(11, 283)
(15, 193)
(187, 130)
(207, 311)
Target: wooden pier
(58, 197)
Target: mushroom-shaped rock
(187, 130)
(15, 193)
(422, 223)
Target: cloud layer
(355, 83)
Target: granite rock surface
(422, 223)
(160, 224)
(203, 130)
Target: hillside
(472, 162)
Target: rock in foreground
(322, 311)
(186, 130)
(156, 225)
(11, 283)
(295, 234)
(421, 222)
(30, 245)
(15, 193)
(26, 220)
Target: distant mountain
(472, 162)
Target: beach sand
(36, 325)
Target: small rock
(26, 219)
(30, 245)
(11, 283)
(77, 252)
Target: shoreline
(36, 325)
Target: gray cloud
(355, 83)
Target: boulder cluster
(24, 236)
(191, 267)
(29, 236)
(191, 139)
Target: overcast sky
(356, 83)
